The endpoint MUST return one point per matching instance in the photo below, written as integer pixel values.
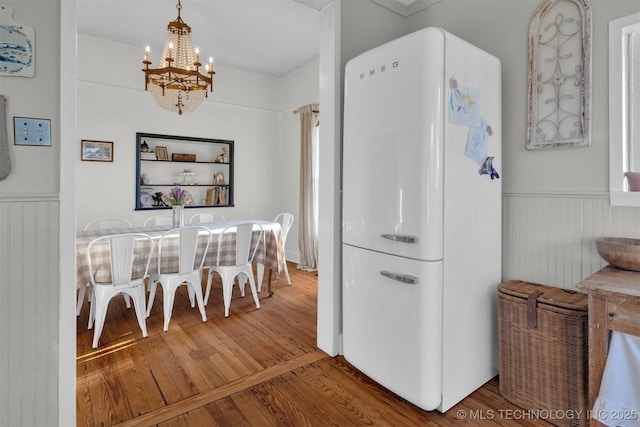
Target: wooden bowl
(621, 252)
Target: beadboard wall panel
(547, 239)
(550, 238)
(29, 304)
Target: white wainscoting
(549, 238)
(29, 306)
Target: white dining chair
(100, 224)
(106, 223)
(126, 277)
(241, 265)
(157, 220)
(202, 218)
(285, 220)
(193, 241)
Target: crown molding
(405, 8)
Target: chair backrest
(247, 234)
(285, 220)
(206, 217)
(123, 250)
(105, 223)
(158, 220)
(192, 241)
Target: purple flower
(177, 193)
(175, 196)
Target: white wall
(35, 169)
(113, 106)
(67, 254)
(29, 217)
(556, 200)
(501, 28)
(347, 28)
(252, 109)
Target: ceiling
(273, 37)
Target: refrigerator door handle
(404, 278)
(400, 238)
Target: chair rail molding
(559, 81)
(29, 197)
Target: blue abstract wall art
(16, 46)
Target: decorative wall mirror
(624, 107)
(559, 89)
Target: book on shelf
(216, 196)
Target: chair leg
(153, 284)
(196, 288)
(286, 273)
(208, 288)
(227, 287)
(98, 304)
(92, 307)
(190, 291)
(80, 299)
(260, 274)
(252, 283)
(127, 301)
(138, 295)
(168, 296)
(242, 281)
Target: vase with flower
(177, 198)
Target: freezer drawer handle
(404, 278)
(400, 238)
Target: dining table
(270, 254)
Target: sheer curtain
(308, 222)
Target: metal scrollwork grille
(559, 75)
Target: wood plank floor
(254, 368)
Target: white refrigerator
(421, 226)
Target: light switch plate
(29, 131)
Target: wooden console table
(614, 305)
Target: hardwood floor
(254, 368)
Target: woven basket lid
(559, 297)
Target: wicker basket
(542, 343)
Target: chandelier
(178, 85)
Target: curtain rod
(313, 111)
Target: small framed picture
(97, 151)
(162, 153)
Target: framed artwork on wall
(162, 153)
(96, 151)
(559, 84)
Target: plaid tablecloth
(271, 254)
